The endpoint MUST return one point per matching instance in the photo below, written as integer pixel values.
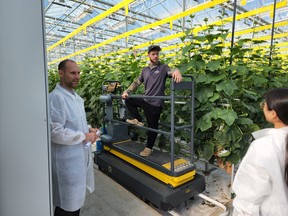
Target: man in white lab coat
(72, 164)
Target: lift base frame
(145, 186)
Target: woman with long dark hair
(261, 181)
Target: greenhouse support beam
(233, 31)
(101, 16)
(272, 34)
(183, 9)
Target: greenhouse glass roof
(79, 28)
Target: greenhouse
(145, 107)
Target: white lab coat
(72, 164)
(259, 182)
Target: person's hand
(90, 137)
(96, 131)
(93, 130)
(125, 95)
(177, 76)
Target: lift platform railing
(184, 85)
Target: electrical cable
(225, 213)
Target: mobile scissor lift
(164, 179)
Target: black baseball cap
(154, 47)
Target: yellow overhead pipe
(276, 44)
(198, 28)
(282, 49)
(173, 47)
(241, 16)
(243, 2)
(159, 40)
(126, 50)
(180, 45)
(279, 44)
(281, 35)
(285, 55)
(101, 16)
(192, 10)
(261, 28)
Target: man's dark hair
(154, 47)
(62, 64)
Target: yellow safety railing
(101, 16)
(170, 19)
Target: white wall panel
(24, 135)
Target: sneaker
(140, 123)
(146, 152)
(134, 121)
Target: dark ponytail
(286, 163)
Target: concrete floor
(111, 199)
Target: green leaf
(201, 78)
(241, 42)
(254, 127)
(204, 95)
(233, 158)
(227, 86)
(215, 97)
(204, 124)
(242, 69)
(251, 108)
(224, 36)
(192, 63)
(134, 66)
(228, 115)
(211, 77)
(186, 49)
(259, 41)
(213, 65)
(244, 121)
(233, 134)
(250, 94)
(258, 81)
(224, 153)
(208, 150)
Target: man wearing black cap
(154, 77)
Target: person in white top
(261, 181)
(72, 164)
